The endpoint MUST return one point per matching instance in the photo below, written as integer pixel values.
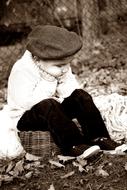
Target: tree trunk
(2, 8)
(90, 26)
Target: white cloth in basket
(10, 145)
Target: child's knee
(49, 102)
(80, 93)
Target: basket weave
(38, 143)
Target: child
(44, 95)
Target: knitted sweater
(28, 84)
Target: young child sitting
(43, 94)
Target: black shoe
(106, 143)
(83, 151)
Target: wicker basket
(38, 143)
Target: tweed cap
(51, 42)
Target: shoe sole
(93, 150)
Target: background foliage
(92, 19)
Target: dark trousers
(50, 115)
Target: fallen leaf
(41, 166)
(1, 177)
(67, 175)
(18, 169)
(30, 157)
(81, 161)
(2, 169)
(36, 164)
(51, 187)
(29, 174)
(57, 164)
(101, 172)
(6, 178)
(36, 172)
(89, 168)
(65, 158)
(81, 169)
(28, 166)
(126, 166)
(114, 152)
(10, 167)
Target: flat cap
(51, 42)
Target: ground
(104, 173)
(104, 73)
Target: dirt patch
(106, 172)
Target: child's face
(57, 67)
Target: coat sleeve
(67, 85)
(24, 90)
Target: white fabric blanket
(113, 108)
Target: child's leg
(49, 115)
(33, 119)
(81, 106)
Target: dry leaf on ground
(57, 164)
(67, 175)
(65, 158)
(101, 172)
(51, 187)
(81, 169)
(31, 157)
(126, 166)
